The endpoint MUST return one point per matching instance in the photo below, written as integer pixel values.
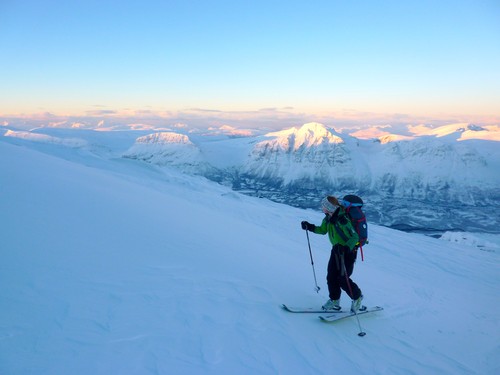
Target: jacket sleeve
(322, 229)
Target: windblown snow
(111, 265)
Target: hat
(329, 203)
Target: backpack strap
(340, 232)
(347, 205)
(346, 238)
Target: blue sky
(346, 60)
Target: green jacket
(339, 228)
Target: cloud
(264, 119)
(203, 110)
(101, 112)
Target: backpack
(353, 205)
(344, 229)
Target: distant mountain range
(427, 179)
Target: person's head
(329, 204)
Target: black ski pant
(342, 262)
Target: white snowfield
(114, 266)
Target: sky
(362, 61)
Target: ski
(306, 310)
(347, 314)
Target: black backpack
(353, 205)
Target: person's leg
(346, 283)
(333, 276)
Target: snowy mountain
(113, 265)
(415, 179)
(46, 139)
(462, 131)
(311, 154)
(168, 148)
(317, 154)
(408, 182)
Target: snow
(394, 138)
(297, 154)
(165, 148)
(463, 131)
(43, 138)
(313, 152)
(111, 265)
(459, 131)
(310, 134)
(230, 131)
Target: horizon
(254, 127)
(262, 64)
(262, 119)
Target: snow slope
(116, 266)
(43, 138)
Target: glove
(308, 226)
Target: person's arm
(322, 229)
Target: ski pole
(312, 262)
(361, 332)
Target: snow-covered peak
(487, 133)
(166, 148)
(230, 131)
(462, 131)
(381, 134)
(370, 132)
(314, 128)
(43, 138)
(310, 152)
(388, 138)
(164, 138)
(314, 133)
(308, 135)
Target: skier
(344, 239)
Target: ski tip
(370, 308)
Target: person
(344, 240)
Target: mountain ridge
(425, 173)
(412, 182)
